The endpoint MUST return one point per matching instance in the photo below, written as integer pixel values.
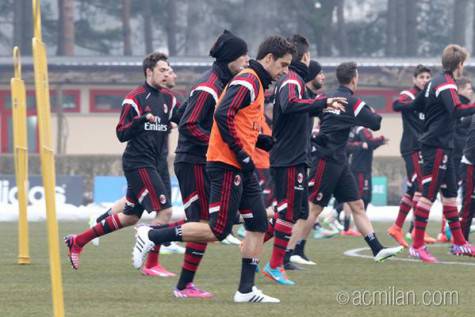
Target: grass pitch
(107, 284)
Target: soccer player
(468, 181)
(362, 161)
(230, 54)
(144, 122)
(412, 125)
(330, 174)
(441, 106)
(233, 183)
(290, 157)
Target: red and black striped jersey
(292, 120)
(335, 125)
(412, 120)
(146, 140)
(195, 124)
(442, 107)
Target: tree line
(370, 28)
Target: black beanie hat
(313, 70)
(228, 47)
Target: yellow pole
(21, 156)
(47, 159)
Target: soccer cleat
(173, 248)
(278, 275)
(289, 266)
(423, 254)
(301, 259)
(427, 238)
(350, 233)
(73, 250)
(143, 245)
(386, 253)
(322, 233)
(241, 232)
(396, 233)
(255, 296)
(157, 270)
(191, 291)
(466, 249)
(442, 238)
(231, 240)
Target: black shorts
(265, 180)
(164, 173)
(329, 178)
(364, 186)
(438, 173)
(413, 164)
(194, 189)
(290, 188)
(145, 191)
(232, 191)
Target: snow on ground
(66, 212)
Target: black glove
(321, 139)
(265, 142)
(247, 165)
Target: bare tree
(23, 25)
(391, 28)
(460, 21)
(411, 12)
(171, 27)
(126, 32)
(148, 28)
(401, 28)
(66, 28)
(341, 27)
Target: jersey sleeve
(130, 121)
(200, 105)
(365, 116)
(290, 99)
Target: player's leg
(468, 193)
(449, 204)
(194, 188)
(255, 221)
(289, 194)
(433, 171)
(347, 191)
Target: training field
(107, 284)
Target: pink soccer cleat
(73, 250)
(423, 254)
(466, 249)
(157, 270)
(191, 291)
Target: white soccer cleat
(256, 296)
(301, 260)
(230, 239)
(143, 245)
(386, 253)
(173, 248)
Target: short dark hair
(151, 60)
(345, 72)
(275, 45)
(463, 81)
(301, 46)
(452, 56)
(421, 69)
